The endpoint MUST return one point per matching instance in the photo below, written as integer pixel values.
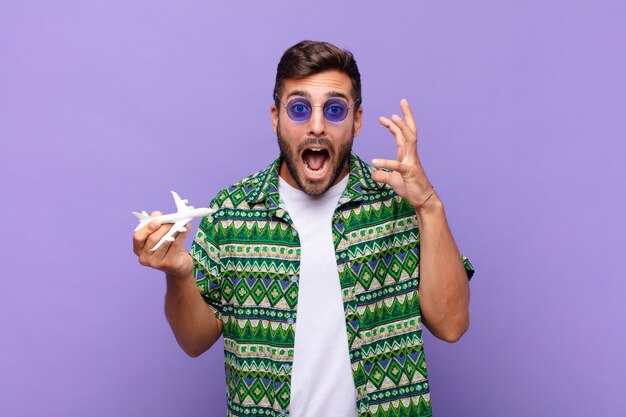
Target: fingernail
(374, 161)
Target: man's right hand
(192, 320)
(171, 257)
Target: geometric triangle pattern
(247, 263)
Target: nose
(317, 122)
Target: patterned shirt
(247, 262)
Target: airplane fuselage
(184, 214)
(190, 214)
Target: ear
(274, 114)
(358, 118)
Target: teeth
(316, 149)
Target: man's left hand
(407, 178)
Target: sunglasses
(300, 109)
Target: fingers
(403, 131)
(176, 244)
(388, 164)
(147, 237)
(391, 178)
(408, 115)
(407, 126)
(167, 256)
(394, 129)
(382, 176)
(409, 136)
(180, 239)
(146, 253)
(157, 254)
(140, 236)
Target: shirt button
(283, 413)
(290, 320)
(293, 232)
(287, 367)
(294, 278)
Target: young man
(325, 244)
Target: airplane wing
(179, 226)
(181, 205)
(144, 219)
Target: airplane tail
(143, 217)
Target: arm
(444, 290)
(194, 325)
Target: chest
(376, 251)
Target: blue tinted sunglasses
(300, 109)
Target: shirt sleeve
(469, 269)
(206, 264)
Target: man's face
(316, 152)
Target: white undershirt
(321, 378)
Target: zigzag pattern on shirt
(259, 331)
(404, 408)
(387, 348)
(247, 264)
(259, 267)
(261, 359)
(376, 213)
(254, 230)
(374, 245)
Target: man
(322, 243)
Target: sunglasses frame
(322, 106)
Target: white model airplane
(184, 214)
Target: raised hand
(407, 178)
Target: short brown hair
(312, 57)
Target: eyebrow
(305, 94)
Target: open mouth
(315, 162)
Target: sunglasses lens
(335, 110)
(299, 110)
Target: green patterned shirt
(247, 263)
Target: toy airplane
(184, 214)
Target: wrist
(179, 284)
(431, 208)
(183, 271)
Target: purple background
(107, 106)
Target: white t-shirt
(321, 379)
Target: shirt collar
(264, 187)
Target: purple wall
(107, 106)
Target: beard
(338, 158)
